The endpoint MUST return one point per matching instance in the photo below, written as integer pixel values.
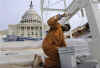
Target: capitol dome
(30, 16)
(30, 25)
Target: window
(28, 28)
(38, 21)
(40, 27)
(32, 28)
(36, 28)
(22, 28)
(32, 33)
(34, 21)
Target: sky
(12, 10)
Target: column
(20, 30)
(30, 32)
(26, 32)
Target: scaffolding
(51, 7)
(91, 12)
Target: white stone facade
(29, 26)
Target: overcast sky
(12, 10)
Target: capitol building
(30, 25)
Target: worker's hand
(66, 14)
